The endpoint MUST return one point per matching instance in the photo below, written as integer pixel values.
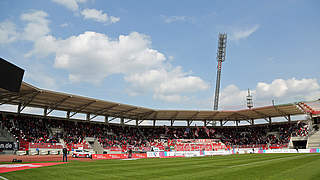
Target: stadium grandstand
(47, 135)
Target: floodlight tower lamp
(249, 100)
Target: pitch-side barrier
(174, 154)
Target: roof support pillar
(106, 119)
(68, 114)
(237, 123)
(221, 123)
(122, 121)
(205, 123)
(154, 123)
(289, 119)
(172, 121)
(88, 117)
(188, 123)
(270, 120)
(252, 121)
(19, 108)
(45, 111)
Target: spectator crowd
(38, 130)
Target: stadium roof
(50, 100)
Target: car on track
(77, 153)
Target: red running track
(17, 167)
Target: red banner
(118, 156)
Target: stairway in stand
(314, 140)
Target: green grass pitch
(246, 167)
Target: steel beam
(212, 116)
(144, 115)
(281, 112)
(16, 97)
(261, 114)
(102, 110)
(210, 122)
(224, 122)
(236, 113)
(24, 105)
(195, 115)
(113, 119)
(128, 121)
(54, 106)
(155, 115)
(79, 108)
(120, 114)
(7, 95)
(175, 115)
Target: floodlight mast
(249, 100)
(221, 55)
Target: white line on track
(1, 177)
(259, 162)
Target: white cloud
(64, 25)
(167, 84)
(91, 57)
(43, 46)
(8, 32)
(171, 19)
(99, 16)
(37, 26)
(114, 19)
(280, 90)
(70, 4)
(243, 33)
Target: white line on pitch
(1, 177)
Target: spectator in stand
(121, 137)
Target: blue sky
(162, 54)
